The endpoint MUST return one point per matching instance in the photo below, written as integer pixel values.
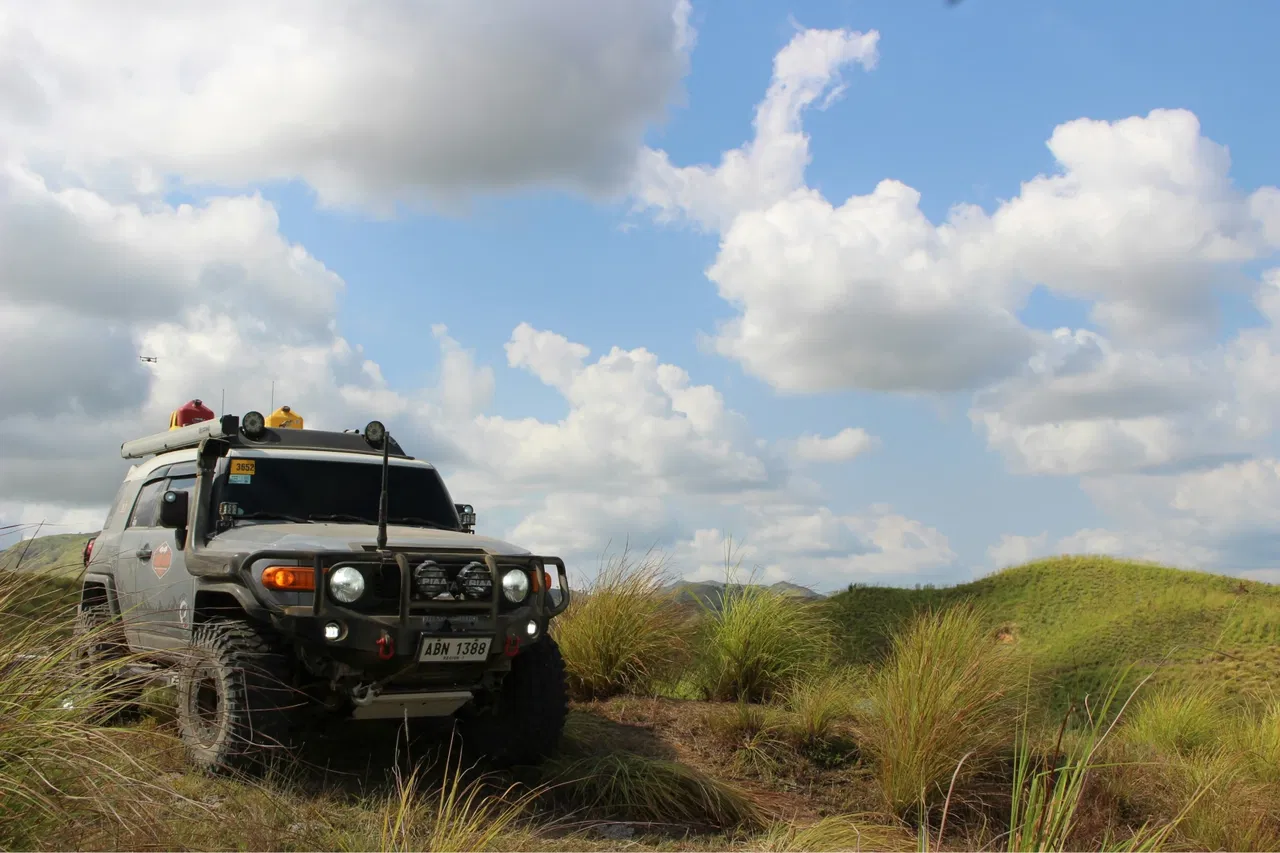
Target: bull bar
(366, 632)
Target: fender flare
(244, 597)
(108, 583)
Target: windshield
(304, 490)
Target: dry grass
(839, 832)
(652, 792)
(622, 634)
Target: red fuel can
(192, 412)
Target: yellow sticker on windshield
(242, 466)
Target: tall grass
(1256, 737)
(59, 764)
(622, 634)
(940, 702)
(759, 643)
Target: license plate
(454, 649)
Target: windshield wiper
(342, 516)
(414, 519)
(269, 516)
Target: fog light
(532, 628)
(332, 631)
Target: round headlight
(346, 584)
(515, 586)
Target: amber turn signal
(289, 578)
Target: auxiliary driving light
(332, 631)
(346, 584)
(515, 586)
(431, 579)
(475, 580)
(374, 432)
(531, 629)
(253, 423)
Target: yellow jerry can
(284, 418)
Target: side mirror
(467, 515)
(174, 509)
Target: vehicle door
(157, 589)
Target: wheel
(525, 723)
(235, 704)
(97, 640)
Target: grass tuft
(838, 832)
(622, 634)
(662, 794)
(759, 642)
(461, 815)
(1179, 720)
(941, 698)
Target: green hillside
(60, 554)
(1082, 619)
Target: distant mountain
(711, 593)
(59, 554)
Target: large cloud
(368, 103)
(1141, 219)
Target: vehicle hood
(320, 536)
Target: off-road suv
(277, 572)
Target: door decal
(162, 559)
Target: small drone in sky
(150, 358)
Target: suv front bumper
(381, 641)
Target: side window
(118, 505)
(146, 511)
(181, 484)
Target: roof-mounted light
(253, 424)
(374, 433)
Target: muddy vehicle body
(282, 575)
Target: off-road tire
(235, 704)
(525, 726)
(97, 640)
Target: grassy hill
(1082, 619)
(60, 554)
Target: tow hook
(511, 647)
(363, 694)
(386, 647)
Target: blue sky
(959, 106)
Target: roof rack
(228, 429)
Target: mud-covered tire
(527, 720)
(97, 642)
(235, 704)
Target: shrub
(759, 642)
(623, 633)
(942, 696)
